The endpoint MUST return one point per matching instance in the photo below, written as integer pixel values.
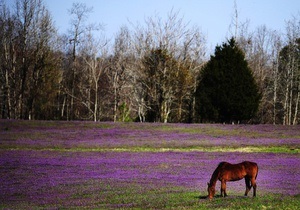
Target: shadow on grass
(205, 197)
(201, 197)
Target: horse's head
(211, 190)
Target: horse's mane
(221, 164)
(215, 174)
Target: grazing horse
(233, 172)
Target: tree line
(147, 72)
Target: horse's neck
(213, 182)
(214, 178)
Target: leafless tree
(79, 15)
(121, 76)
(275, 75)
(291, 74)
(176, 42)
(93, 51)
(275, 68)
(28, 57)
(8, 60)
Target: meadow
(104, 165)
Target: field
(54, 165)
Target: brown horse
(233, 172)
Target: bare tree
(276, 71)
(192, 57)
(26, 10)
(8, 60)
(79, 13)
(174, 46)
(275, 76)
(94, 53)
(234, 25)
(290, 65)
(120, 75)
(27, 58)
(258, 47)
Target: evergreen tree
(227, 91)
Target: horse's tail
(256, 171)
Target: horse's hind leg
(253, 183)
(248, 186)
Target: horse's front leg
(223, 188)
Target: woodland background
(146, 70)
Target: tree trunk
(296, 106)
(96, 101)
(63, 106)
(285, 106)
(115, 102)
(275, 87)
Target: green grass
(111, 195)
(135, 197)
(19, 135)
(270, 201)
(217, 130)
(246, 149)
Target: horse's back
(251, 168)
(249, 164)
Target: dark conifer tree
(227, 91)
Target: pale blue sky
(213, 17)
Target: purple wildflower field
(65, 164)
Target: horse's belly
(232, 177)
(235, 179)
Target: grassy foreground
(134, 197)
(87, 165)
